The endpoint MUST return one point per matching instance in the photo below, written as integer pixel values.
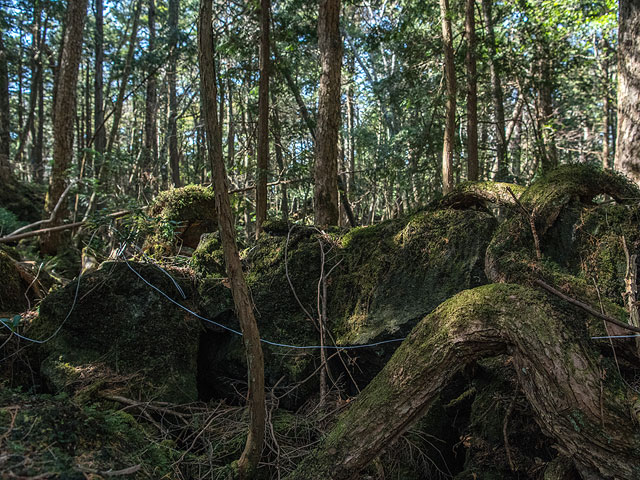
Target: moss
(396, 273)
(12, 299)
(24, 200)
(177, 219)
(208, 258)
(386, 278)
(120, 322)
(56, 436)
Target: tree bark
(100, 132)
(64, 114)
(559, 372)
(174, 155)
(231, 129)
(496, 94)
(5, 115)
(36, 79)
(326, 168)
(103, 171)
(450, 109)
(150, 154)
(550, 157)
(277, 143)
(241, 298)
(472, 92)
(627, 158)
(263, 118)
(124, 80)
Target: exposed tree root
(479, 194)
(559, 373)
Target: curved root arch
(559, 374)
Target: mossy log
(593, 419)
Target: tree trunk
(263, 118)
(326, 168)
(472, 93)
(277, 143)
(122, 89)
(103, 171)
(351, 114)
(231, 129)
(174, 155)
(150, 155)
(64, 114)
(244, 307)
(36, 78)
(5, 115)
(100, 132)
(496, 94)
(559, 372)
(550, 157)
(450, 76)
(628, 136)
(38, 159)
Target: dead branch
(42, 231)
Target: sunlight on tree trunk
(243, 304)
(628, 137)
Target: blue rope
(265, 341)
(33, 340)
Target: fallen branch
(590, 310)
(42, 231)
(51, 218)
(110, 472)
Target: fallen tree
(593, 417)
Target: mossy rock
(53, 437)
(178, 218)
(14, 287)
(24, 200)
(385, 278)
(120, 323)
(208, 258)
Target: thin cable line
(263, 340)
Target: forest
(308, 240)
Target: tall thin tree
(472, 92)
(263, 118)
(496, 93)
(150, 154)
(326, 168)
(174, 155)
(100, 132)
(450, 77)
(5, 114)
(244, 307)
(64, 115)
(628, 137)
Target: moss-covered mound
(25, 201)
(20, 288)
(43, 436)
(178, 218)
(118, 325)
(381, 280)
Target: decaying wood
(59, 228)
(558, 372)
